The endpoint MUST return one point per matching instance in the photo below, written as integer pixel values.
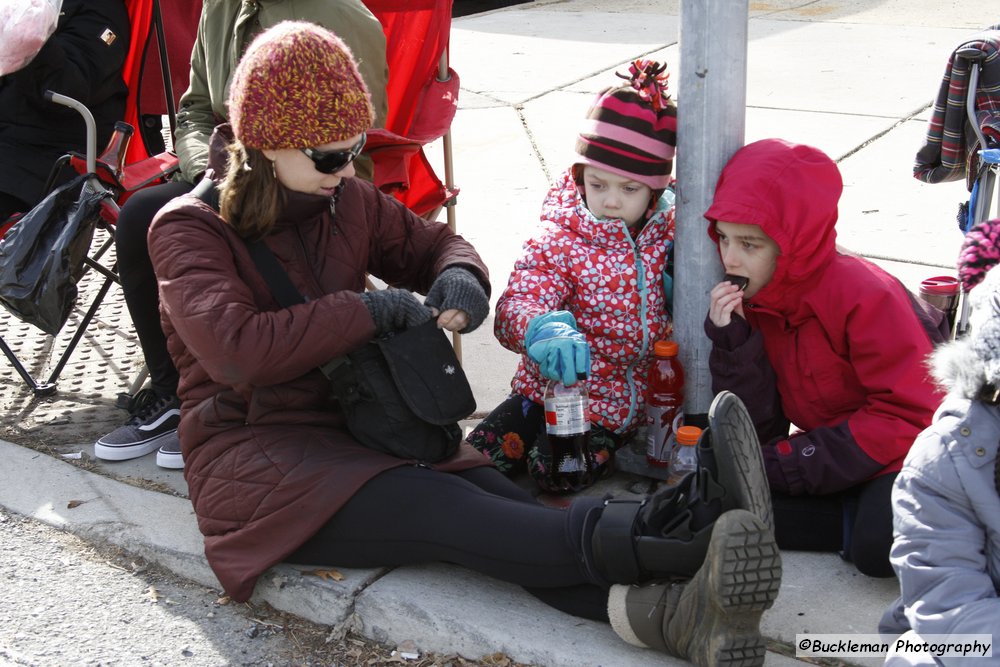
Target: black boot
(663, 536)
(713, 619)
(666, 535)
(730, 452)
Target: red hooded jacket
(832, 343)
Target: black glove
(458, 288)
(394, 309)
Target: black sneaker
(169, 454)
(154, 420)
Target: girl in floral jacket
(587, 296)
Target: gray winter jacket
(947, 514)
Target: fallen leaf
(75, 503)
(153, 594)
(325, 574)
(224, 600)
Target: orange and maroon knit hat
(631, 130)
(297, 86)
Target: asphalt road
(67, 602)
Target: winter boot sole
(738, 458)
(717, 618)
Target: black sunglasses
(330, 162)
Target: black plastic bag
(41, 257)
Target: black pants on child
(478, 519)
(139, 282)
(856, 522)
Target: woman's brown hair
(250, 199)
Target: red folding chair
(122, 168)
(423, 96)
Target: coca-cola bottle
(664, 403)
(567, 424)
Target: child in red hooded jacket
(820, 339)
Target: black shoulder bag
(403, 393)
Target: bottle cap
(665, 348)
(688, 435)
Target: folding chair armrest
(156, 168)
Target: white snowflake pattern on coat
(612, 285)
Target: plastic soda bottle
(567, 424)
(684, 459)
(664, 403)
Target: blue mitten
(561, 352)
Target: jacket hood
(958, 369)
(564, 206)
(791, 192)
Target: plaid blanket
(949, 151)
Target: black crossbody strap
(274, 274)
(284, 291)
(269, 267)
(277, 279)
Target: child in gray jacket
(946, 500)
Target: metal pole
(711, 110)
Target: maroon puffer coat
(267, 458)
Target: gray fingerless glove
(394, 309)
(458, 288)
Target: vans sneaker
(169, 454)
(154, 420)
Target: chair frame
(987, 165)
(105, 178)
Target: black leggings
(139, 281)
(478, 519)
(856, 522)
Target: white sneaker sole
(108, 452)
(170, 460)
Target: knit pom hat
(632, 130)
(980, 252)
(297, 86)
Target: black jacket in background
(77, 61)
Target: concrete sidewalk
(853, 77)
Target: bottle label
(661, 425)
(566, 415)
(570, 464)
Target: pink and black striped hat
(632, 130)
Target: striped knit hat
(297, 86)
(632, 130)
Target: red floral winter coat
(611, 283)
